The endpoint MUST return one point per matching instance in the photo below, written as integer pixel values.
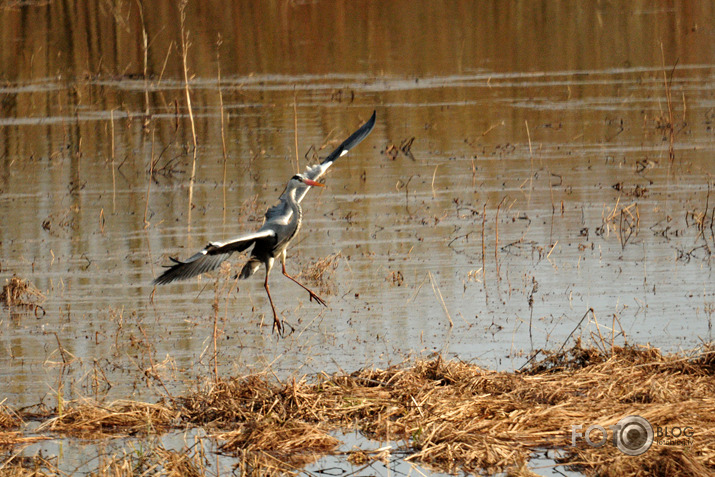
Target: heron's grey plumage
(281, 223)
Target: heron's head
(305, 180)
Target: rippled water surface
(538, 172)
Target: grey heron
(281, 224)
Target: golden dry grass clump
(449, 415)
(455, 416)
(8, 418)
(258, 420)
(93, 420)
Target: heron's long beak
(313, 183)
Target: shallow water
(537, 185)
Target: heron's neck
(295, 205)
(297, 218)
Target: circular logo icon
(634, 435)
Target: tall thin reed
(219, 41)
(184, 53)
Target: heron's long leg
(276, 322)
(313, 296)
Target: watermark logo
(635, 435)
(632, 435)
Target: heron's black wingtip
(354, 139)
(369, 124)
(160, 280)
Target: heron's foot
(315, 297)
(277, 325)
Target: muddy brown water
(529, 164)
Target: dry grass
(624, 220)
(21, 293)
(448, 415)
(322, 271)
(154, 460)
(8, 419)
(455, 416)
(37, 466)
(280, 447)
(92, 420)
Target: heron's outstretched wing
(316, 171)
(210, 258)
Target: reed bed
(445, 414)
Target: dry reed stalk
(151, 178)
(702, 222)
(670, 124)
(484, 259)
(113, 152)
(184, 59)
(474, 172)
(531, 161)
(434, 175)
(623, 219)
(145, 49)
(14, 439)
(219, 41)
(295, 129)
(496, 237)
(225, 271)
(438, 294)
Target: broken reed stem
(496, 243)
(219, 41)
(600, 336)
(295, 129)
(474, 173)
(151, 178)
(484, 253)
(670, 127)
(145, 47)
(531, 160)
(553, 210)
(590, 310)
(613, 333)
(114, 180)
(215, 329)
(438, 294)
(434, 174)
(184, 54)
